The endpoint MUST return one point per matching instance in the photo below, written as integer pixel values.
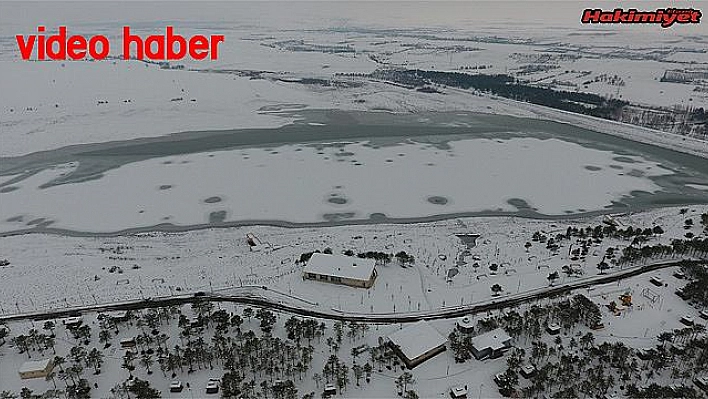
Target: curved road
(334, 314)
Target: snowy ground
(636, 326)
(54, 104)
(49, 271)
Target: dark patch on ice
(217, 217)
(624, 159)
(167, 163)
(437, 200)
(333, 217)
(274, 152)
(378, 216)
(519, 204)
(8, 189)
(430, 164)
(389, 160)
(636, 173)
(470, 240)
(212, 200)
(618, 167)
(452, 272)
(337, 200)
(45, 223)
(344, 154)
(593, 168)
(358, 163)
(35, 221)
(18, 218)
(165, 187)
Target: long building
(340, 269)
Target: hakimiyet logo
(664, 16)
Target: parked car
(212, 386)
(176, 386)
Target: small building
(116, 315)
(127, 343)
(71, 322)
(491, 345)
(417, 343)
(465, 324)
(36, 368)
(704, 314)
(553, 328)
(176, 386)
(329, 390)
(528, 371)
(458, 392)
(340, 269)
(657, 281)
(254, 243)
(687, 320)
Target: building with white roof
(466, 324)
(417, 343)
(491, 344)
(36, 368)
(340, 269)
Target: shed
(36, 368)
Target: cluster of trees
(380, 257)
(697, 247)
(577, 367)
(569, 313)
(509, 87)
(697, 287)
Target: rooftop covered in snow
(417, 339)
(348, 267)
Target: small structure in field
(116, 315)
(528, 371)
(340, 269)
(254, 243)
(687, 320)
(36, 369)
(71, 322)
(417, 343)
(458, 392)
(553, 328)
(465, 324)
(491, 345)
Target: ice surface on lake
(317, 182)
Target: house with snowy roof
(340, 269)
(491, 345)
(417, 343)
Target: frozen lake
(325, 169)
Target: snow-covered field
(55, 104)
(50, 271)
(636, 326)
